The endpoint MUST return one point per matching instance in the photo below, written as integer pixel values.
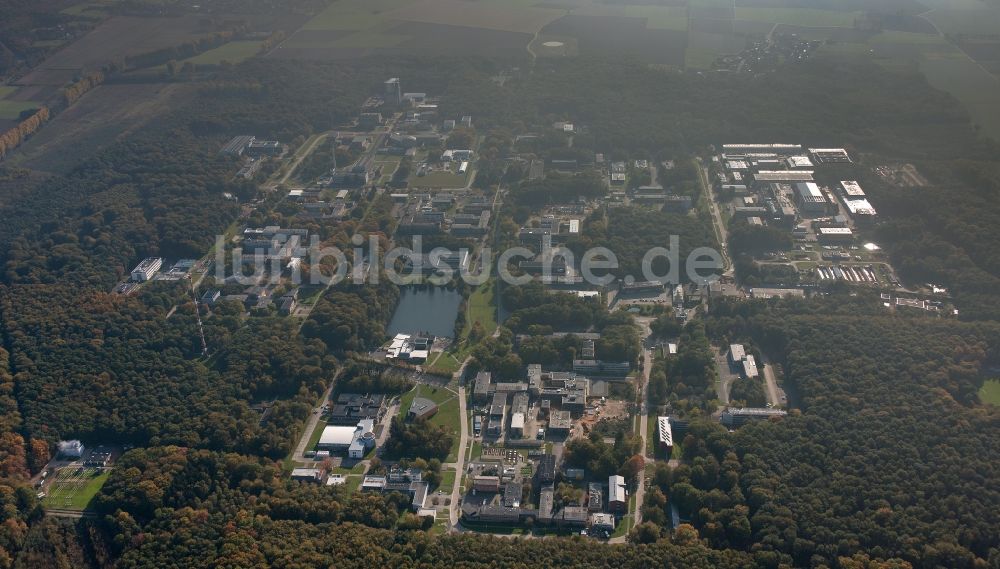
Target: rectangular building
(617, 494)
(830, 155)
(486, 483)
(736, 353)
(145, 270)
(665, 435)
(733, 418)
(835, 234)
(810, 198)
(851, 190)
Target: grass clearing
(990, 392)
(13, 109)
(482, 309)
(73, 488)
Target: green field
(444, 364)
(316, 434)
(447, 415)
(968, 82)
(990, 392)
(72, 491)
(12, 109)
(439, 179)
(660, 17)
(447, 480)
(370, 39)
(233, 52)
(352, 15)
(482, 309)
(799, 17)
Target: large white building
(146, 269)
(810, 197)
(356, 441)
(617, 494)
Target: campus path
(463, 441)
(300, 448)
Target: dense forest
(631, 232)
(890, 455)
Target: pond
(426, 310)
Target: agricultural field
(96, 121)
(74, 488)
(976, 88)
(113, 39)
(233, 52)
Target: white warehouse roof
(334, 435)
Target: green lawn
(447, 480)
(445, 364)
(12, 109)
(482, 308)
(353, 483)
(990, 392)
(651, 437)
(625, 525)
(74, 492)
(316, 434)
(447, 415)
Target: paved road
(721, 230)
(640, 491)
(300, 449)
(463, 441)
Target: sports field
(74, 487)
